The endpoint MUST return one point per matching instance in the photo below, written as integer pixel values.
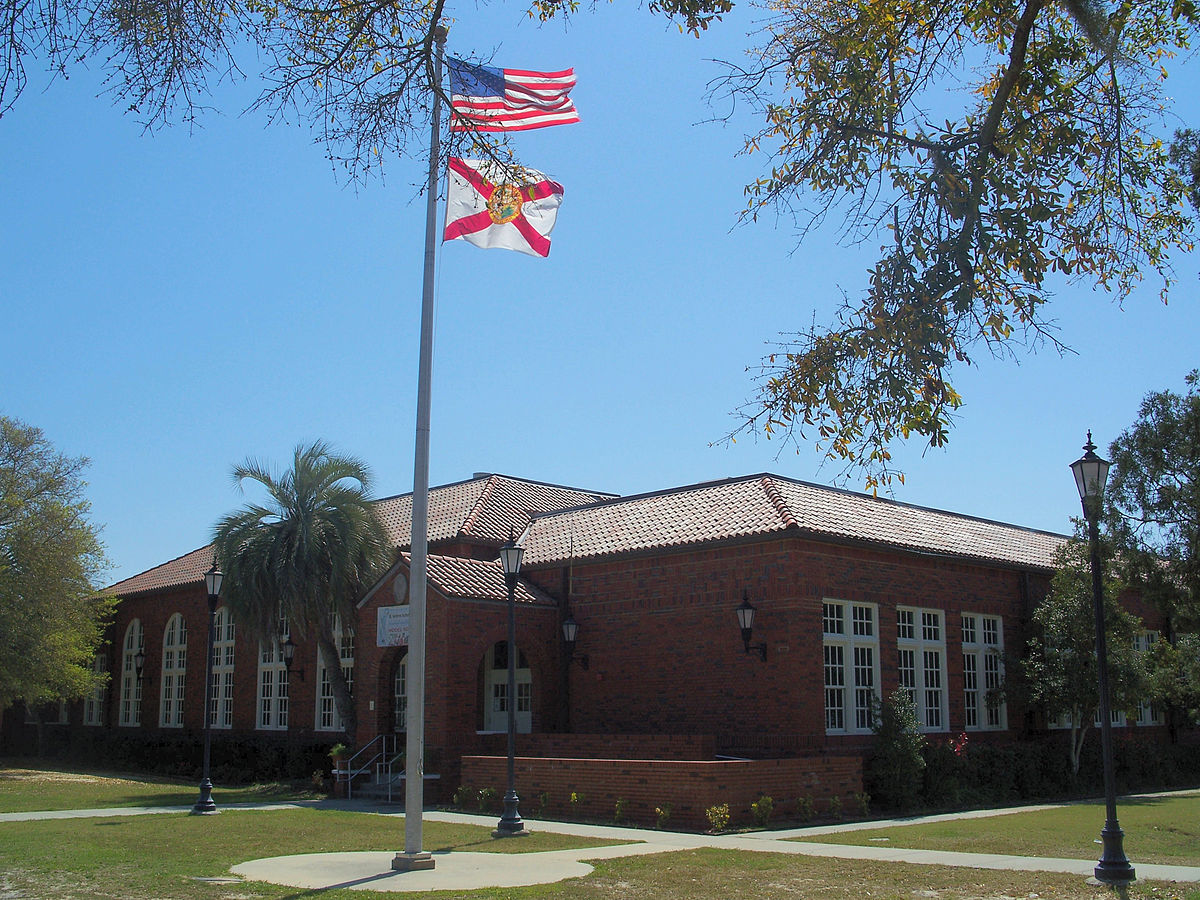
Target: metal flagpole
(413, 857)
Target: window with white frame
(220, 710)
(327, 717)
(851, 660)
(174, 667)
(400, 696)
(131, 684)
(983, 672)
(273, 682)
(1148, 713)
(93, 703)
(921, 663)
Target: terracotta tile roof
(187, 569)
(482, 509)
(475, 579)
(768, 504)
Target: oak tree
(51, 560)
(1000, 150)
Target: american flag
(483, 98)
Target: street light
(212, 581)
(745, 614)
(1091, 473)
(510, 561)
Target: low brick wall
(690, 786)
(607, 746)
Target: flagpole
(413, 857)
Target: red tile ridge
(772, 491)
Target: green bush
(718, 817)
(662, 814)
(805, 809)
(465, 795)
(893, 772)
(619, 811)
(761, 810)
(487, 799)
(835, 807)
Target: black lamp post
(1091, 473)
(745, 614)
(510, 561)
(212, 581)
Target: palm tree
(306, 555)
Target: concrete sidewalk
(469, 871)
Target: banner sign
(391, 626)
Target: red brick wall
(610, 746)
(666, 655)
(690, 787)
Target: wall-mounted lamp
(139, 663)
(745, 614)
(289, 653)
(570, 629)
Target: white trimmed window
(921, 663)
(495, 668)
(327, 717)
(983, 673)
(93, 704)
(273, 682)
(1148, 713)
(174, 667)
(131, 685)
(851, 660)
(400, 696)
(220, 711)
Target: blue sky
(175, 302)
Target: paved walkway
(468, 871)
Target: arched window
(131, 685)
(221, 711)
(273, 681)
(327, 717)
(400, 697)
(93, 704)
(174, 667)
(495, 687)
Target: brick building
(660, 700)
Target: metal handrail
(350, 772)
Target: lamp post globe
(1091, 474)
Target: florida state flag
(509, 207)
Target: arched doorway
(495, 690)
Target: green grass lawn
(28, 787)
(1157, 830)
(160, 857)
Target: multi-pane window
(400, 696)
(851, 662)
(1148, 713)
(921, 663)
(327, 717)
(131, 684)
(220, 711)
(273, 682)
(983, 672)
(93, 704)
(174, 667)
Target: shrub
(863, 799)
(662, 814)
(465, 795)
(893, 772)
(619, 811)
(487, 799)
(761, 810)
(835, 807)
(576, 800)
(805, 808)
(718, 817)
(543, 803)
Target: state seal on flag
(505, 203)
